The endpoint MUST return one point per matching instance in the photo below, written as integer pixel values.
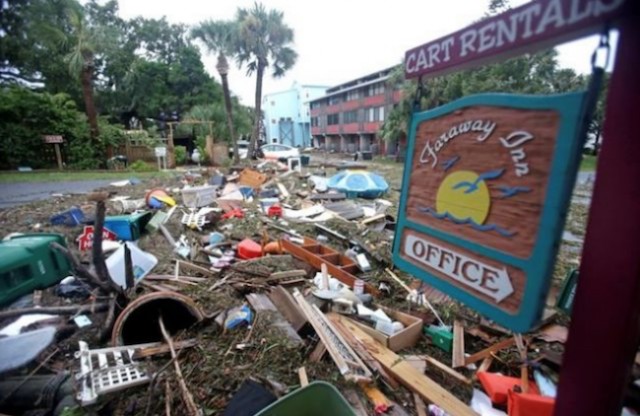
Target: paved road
(12, 194)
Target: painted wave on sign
(467, 221)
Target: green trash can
(317, 399)
(28, 263)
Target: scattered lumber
(407, 375)
(453, 373)
(420, 365)
(160, 348)
(484, 366)
(317, 353)
(366, 357)
(302, 375)
(187, 397)
(261, 303)
(287, 307)
(457, 358)
(487, 351)
(356, 403)
(350, 365)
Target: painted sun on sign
(486, 185)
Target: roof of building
(371, 78)
(294, 87)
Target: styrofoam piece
(107, 370)
(142, 263)
(363, 262)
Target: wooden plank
(350, 365)
(457, 358)
(484, 366)
(194, 268)
(162, 348)
(261, 303)
(314, 260)
(287, 274)
(283, 191)
(448, 370)
(420, 365)
(302, 375)
(505, 343)
(287, 307)
(411, 378)
(317, 353)
(366, 357)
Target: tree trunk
(258, 108)
(87, 93)
(222, 62)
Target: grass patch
(79, 175)
(588, 163)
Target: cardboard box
(406, 338)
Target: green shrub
(142, 166)
(181, 155)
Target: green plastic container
(27, 263)
(441, 337)
(317, 399)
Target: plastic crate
(128, 227)
(28, 263)
(316, 399)
(71, 217)
(199, 196)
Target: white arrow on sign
(483, 278)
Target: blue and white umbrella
(358, 184)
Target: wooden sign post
(55, 140)
(484, 195)
(605, 326)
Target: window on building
(375, 89)
(381, 114)
(335, 99)
(350, 116)
(314, 121)
(333, 119)
(353, 95)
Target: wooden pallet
(339, 266)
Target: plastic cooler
(28, 263)
(128, 227)
(316, 399)
(199, 196)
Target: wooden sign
(85, 240)
(53, 139)
(530, 27)
(486, 186)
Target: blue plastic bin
(71, 217)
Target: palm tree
(80, 60)
(220, 37)
(263, 41)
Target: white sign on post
(161, 155)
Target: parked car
(243, 149)
(279, 151)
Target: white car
(243, 149)
(279, 151)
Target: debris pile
(267, 289)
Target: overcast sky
(339, 40)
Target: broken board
(406, 374)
